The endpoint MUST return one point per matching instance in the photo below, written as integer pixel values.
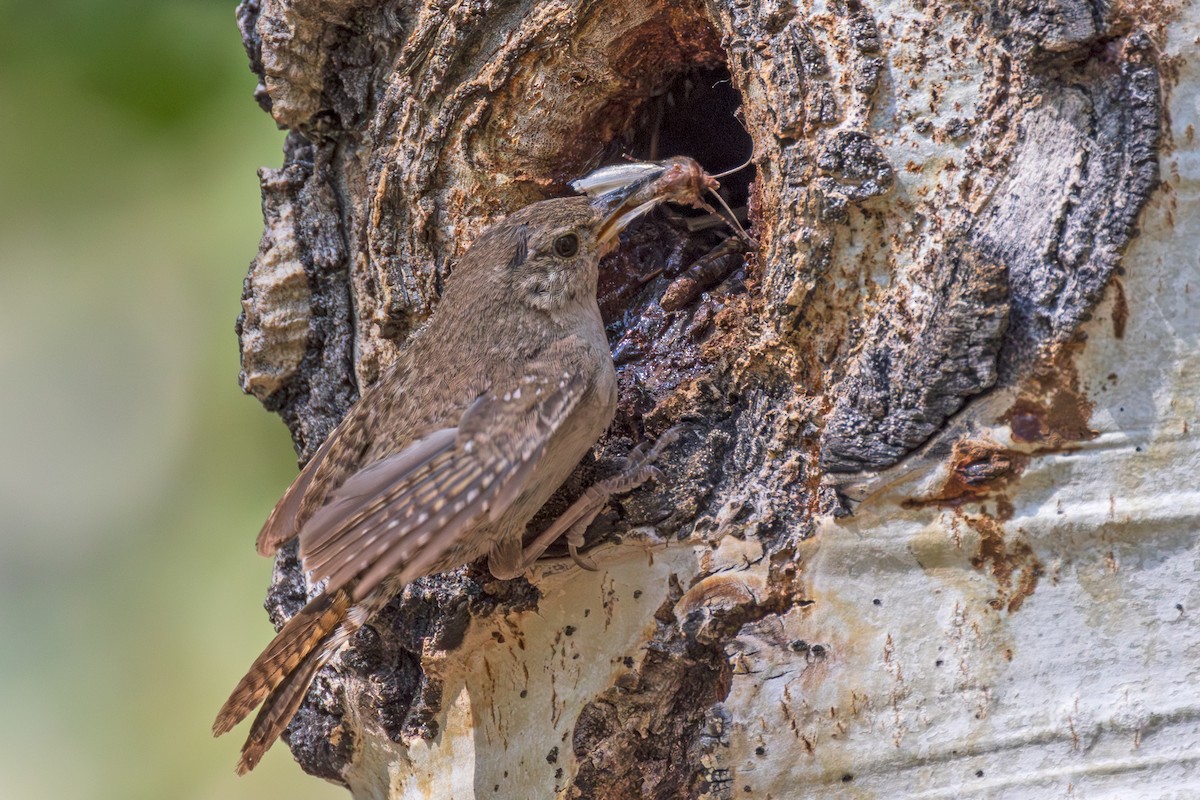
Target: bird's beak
(618, 215)
(624, 192)
(621, 193)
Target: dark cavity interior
(698, 114)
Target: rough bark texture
(943, 192)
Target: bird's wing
(336, 456)
(404, 512)
(281, 524)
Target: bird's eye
(566, 245)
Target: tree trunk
(931, 532)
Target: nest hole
(661, 292)
(698, 113)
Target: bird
(447, 458)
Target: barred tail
(278, 709)
(280, 676)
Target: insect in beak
(626, 191)
(620, 217)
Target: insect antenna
(732, 220)
(739, 168)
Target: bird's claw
(644, 454)
(574, 522)
(582, 561)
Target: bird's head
(545, 255)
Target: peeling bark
(942, 193)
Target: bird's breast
(569, 444)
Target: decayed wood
(943, 191)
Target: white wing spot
(516, 394)
(393, 524)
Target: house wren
(463, 439)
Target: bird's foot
(574, 522)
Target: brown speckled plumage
(450, 455)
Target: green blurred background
(133, 472)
